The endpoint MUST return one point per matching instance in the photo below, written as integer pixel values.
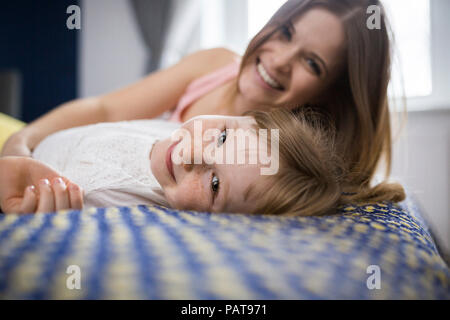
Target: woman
(316, 53)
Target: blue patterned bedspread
(150, 252)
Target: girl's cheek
(187, 195)
(171, 199)
(177, 199)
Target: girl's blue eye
(215, 184)
(222, 138)
(314, 66)
(286, 32)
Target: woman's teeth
(267, 79)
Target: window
(259, 12)
(410, 22)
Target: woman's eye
(215, 184)
(314, 66)
(286, 32)
(222, 138)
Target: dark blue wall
(34, 39)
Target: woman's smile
(266, 79)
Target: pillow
(378, 251)
(8, 126)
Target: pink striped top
(203, 85)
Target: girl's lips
(169, 162)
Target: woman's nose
(282, 60)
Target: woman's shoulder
(208, 60)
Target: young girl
(135, 162)
(316, 53)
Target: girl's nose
(195, 152)
(188, 166)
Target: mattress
(378, 251)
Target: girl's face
(201, 186)
(296, 64)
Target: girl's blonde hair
(311, 173)
(357, 103)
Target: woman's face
(296, 64)
(210, 182)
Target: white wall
(422, 164)
(226, 22)
(112, 54)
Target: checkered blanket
(380, 251)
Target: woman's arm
(148, 98)
(71, 114)
(160, 91)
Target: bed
(8, 125)
(378, 251)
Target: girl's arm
(148, 98)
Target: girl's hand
(51, 196)
(17, 174)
